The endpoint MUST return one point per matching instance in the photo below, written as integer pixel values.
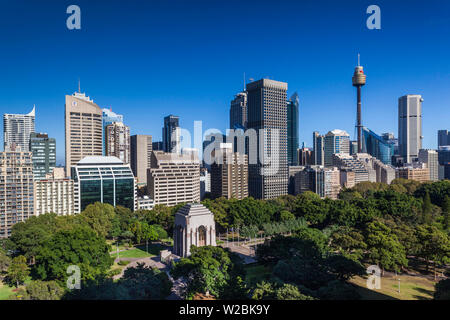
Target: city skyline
(141, 87)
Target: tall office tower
(105, 180)
(336, 141)
(43, 150)
(323, 181)
(389, 137)
(54, 195)
(238, 111)
(292, 129)
(174, 178)
(109, 117)
(410, 126)
(444, 161)
(319, 143)
(267, 115)
(376, 146)
(305, 156)
(443, 138)
(140, 157)
(170, 131)
(17, 129)
(157, 146)
(16, 187)
(430, 157)
(293, 170)
(358, 80)
(117, 141)
(229, 173)
(84, 129)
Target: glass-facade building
(377, 147)
(292, 129)
(106, 180)
(43, 149)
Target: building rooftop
(99, 160)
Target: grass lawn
(411, 288)
(5, 291)
(139, 251)
(256, 273)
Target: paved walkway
(153, 262)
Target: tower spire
(358, 60)
(244, 81)
(79, 86)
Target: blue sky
(147, 59)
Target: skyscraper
(83, 129)
(318, 142)
(43, 150)
(170, 131)
(335, 141)
(117, 141)
(141, 152)
(17, 129)
(16, 188)
(267, 115)
(410, 126)
(109, 117)
(443, 138)
(292, 129)
(358, 80)
(238, 111)
(376, 146)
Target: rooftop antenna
(244, 81)
(358, 60)
(79, 86)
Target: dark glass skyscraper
(171, 123)
(377, 147)
(43, 149)
(238, 111)
(292, 129)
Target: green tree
(18, 270)
(290, 292)
(384, 248)
(433, 244)
(79, 246)
(100, 217)
(5, 262)
(40, 290)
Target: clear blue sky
(147, 59)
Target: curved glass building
(377, 147)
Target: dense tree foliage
(40, 290)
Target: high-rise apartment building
(376, 146)
(238, 111)
(83, 129)
(335, 141)
(229, 173)
(361, 166)
(117, 141)
(292, 129)
(174, 178)
(410, 126)
(430, 158)
(16, 188)
(319, 143)
(141, 152)
(54, 195)
(267, 115)
(443, 138)
(105, 180)
(109, 117)
(43, 150)
(171, 134)
(17, 129)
